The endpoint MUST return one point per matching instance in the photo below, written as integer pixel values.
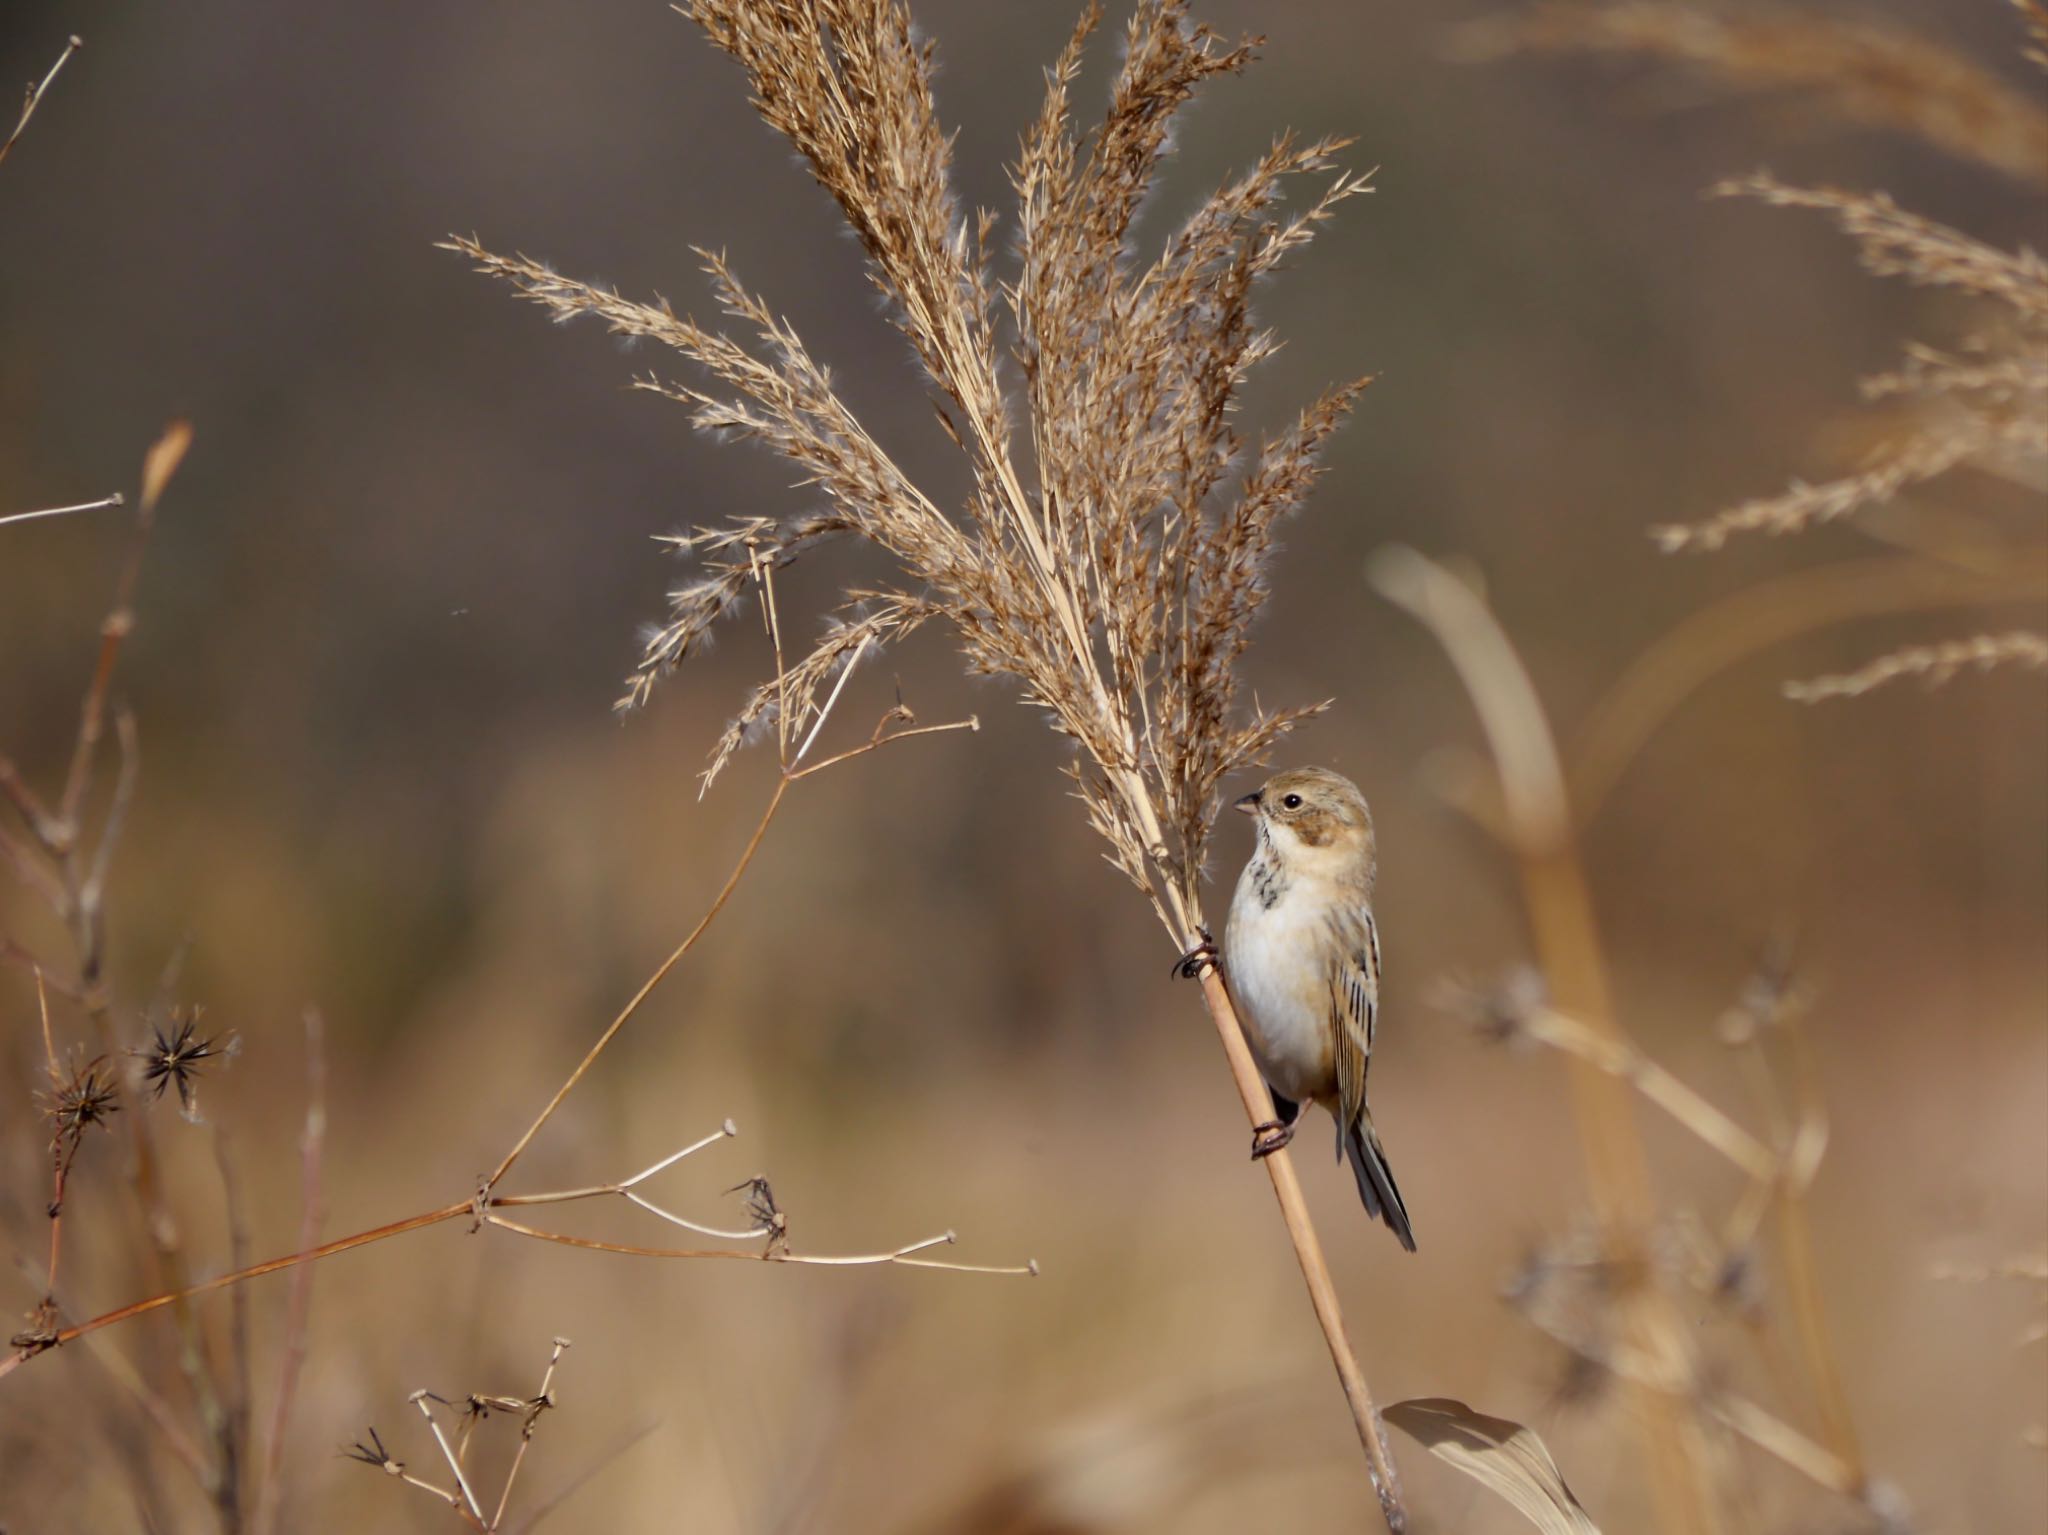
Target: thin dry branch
(104, 502)
(36, 89)
(481, 1208)
(298, 1308)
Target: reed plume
(1112, 554)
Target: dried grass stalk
(1111, 556)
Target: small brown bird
(1301, 956)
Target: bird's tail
(1376, 1180)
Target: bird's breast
(1274, 961)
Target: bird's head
(1312, 816)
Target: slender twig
(764, 576)
(480, 1207)
(312, 1144)
(104, 502)
(61, 1163)
(35, 93)
(138, 1308)
(845, 676)
(92, 893)
(972, 722)
(231, 1433)
(419, 1400)
(159, 464)
(646, 990)
(542, 1399)
(904, 1256)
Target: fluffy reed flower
(1111, 555)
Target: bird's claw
(1201, 957)
(1269, 1137)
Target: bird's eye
(1292, 802)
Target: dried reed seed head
(1119, 591)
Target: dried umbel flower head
(175, 1054)
(1112, 553)
(87, 1096)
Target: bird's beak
(1249, 804)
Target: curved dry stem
(902, 1256)
(646, 990)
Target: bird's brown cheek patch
(1316, 829)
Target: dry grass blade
(1497, 1453)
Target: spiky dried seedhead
(1111, 555)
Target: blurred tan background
(398, 581)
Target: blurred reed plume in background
(1977, 401)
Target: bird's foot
(1269, 1137)
(1201, 957)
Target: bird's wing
(1354, 1004)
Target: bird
(1301, 961)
